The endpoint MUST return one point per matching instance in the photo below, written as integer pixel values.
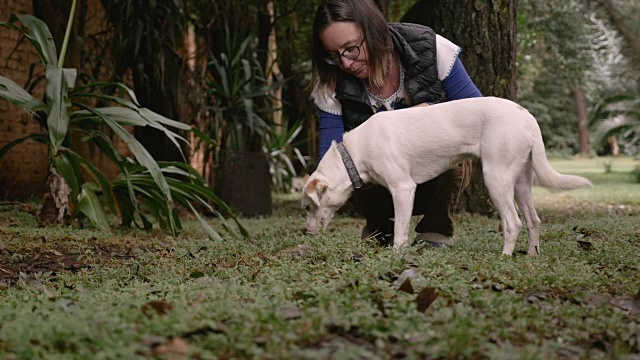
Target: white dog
(399, 149)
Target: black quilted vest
(416, 48)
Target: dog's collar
(356, 180)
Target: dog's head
(320, 202)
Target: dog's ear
(315, 189)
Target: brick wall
(23, 170)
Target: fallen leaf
(501, 287)
(380, 304)
(44, 289)
(153, 341)
(425, 298)
(196, 274)
(54, 252)
(406, 286)
(626, 303)
(200, 298)
(207, 329)
(356, 258)
(298, 251)
(177, 346)
(585, 245)
(157, 307)
(290, 312)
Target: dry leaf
(425, 298)
(290, 312)
(585, 245)
(380, 304)
(159, 308)
(406, 286)
(297, 251)
(175, 346)
(200, 298)
(153, 341)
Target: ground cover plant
(78, 293)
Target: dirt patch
(15, 265)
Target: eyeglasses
(350, 53)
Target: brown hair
(375, 31)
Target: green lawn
(69, 293)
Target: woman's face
(345, 35)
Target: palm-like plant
(240, 95)
(279, 146)
(617, 115)
(143, 192)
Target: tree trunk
(613, 146)
(155, 73)
(486, 32)
(273, 71)
(583, 131)
(159, 94)
(243, 182)
(621, 26)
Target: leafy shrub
(143, 193)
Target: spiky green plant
(143, 193)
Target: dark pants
(436, 200)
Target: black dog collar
(356, 180)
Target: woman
(362, 65)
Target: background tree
(486, 31)
(620, 24)
(570, 53)
(146, 40)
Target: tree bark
(621, 26)
(486, 32)
(155, 73)
(273, 71)
(244, 183)
(583, 130)
(383, 5)
(613, 146)
(160, 94)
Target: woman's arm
(458, 84)
(331, 128)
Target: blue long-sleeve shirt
(457, 85)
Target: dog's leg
(403, 197)
(501, 182)
(524, 198)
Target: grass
(70, 293)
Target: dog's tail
(547, 176)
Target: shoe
(383, 239)
(434, 239)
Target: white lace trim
(377, 101)
(392, 96)
(447, 54)
(326, 101)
